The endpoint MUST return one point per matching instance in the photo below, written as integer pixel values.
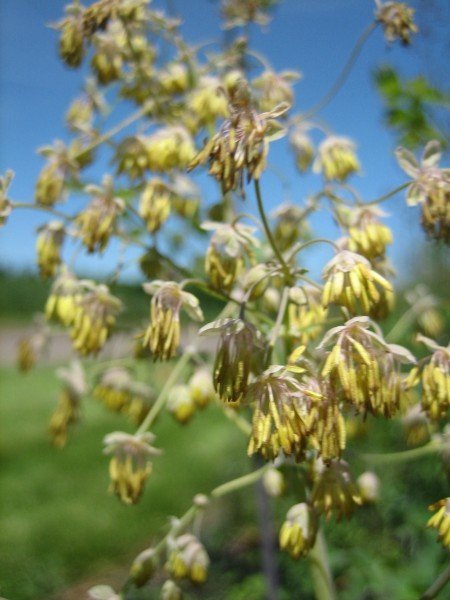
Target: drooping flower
(155, 204)
(207, 101)
(273, 482)
(132, 157)
(299, 530)
(65, 294)
(180, 403)
(290, 225)
(336, 159)
(274, 89)
(430, 188)
(306, 315)
(95, 316)
(97, 222)
(397, 19)
(365, 368)
(163, 334)
(67, 412)
(435, 377)
(334, 492)
(170, 148)
(240, 147)
(171, 591)
(367, 235)
(239, 352)
(201, 388)
(48, 246)
(441, 521)
(350, 281)
(369, 487)
(282, 417)
(130, 464)
(303, 146)
(188, 559)
(226, 253)
(416, 426)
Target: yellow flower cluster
(170, 148)
(188, 559)
(48, 246)
(336, 159)
(130, 464)
(155, 204)
(397, 21)
(334, 492)
(367, 235)
(350, 281)
(306, 316)
(299, 530)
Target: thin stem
(35, 206)
(298, 248)
(437, 585)
(114, 130)
(390, 194)
(407, 319)
(269, 235)
(310, 281)
(279, 321)
(320, 569)
(161, 400)
(240, 482)
(241, 423)
(405, 456)
(343, 74)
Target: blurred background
(61, 531)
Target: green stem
(320, 570)
(35, 206)
(343, 74)
(240, 482)
(279, 321)
(390, 194)
(437, 585)
(299, 247)
(269, 235)
(161, 400)
(406, 455)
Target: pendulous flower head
(95, 316)
(350, 281)
(397, 19)
(336, 159)
(334, 491)
(155, 204)
(163, 334)
(430, 189)
(98, 221)
(368, 236)
(441, 521)
(240, 147)
(299, 530)
(226, 253)
(48, 246)
(180, 403)
(364, 368)
(435, 377)
(188, 559)
(67, 412)
(130, 464)
(282, 417)
(201, 388)
(306, 315)
(65, 294)
(239, 352)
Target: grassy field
(60, 525)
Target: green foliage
(410, 107)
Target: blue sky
(312, 36)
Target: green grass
(59, 524)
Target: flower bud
(298, 532)
(369, 487)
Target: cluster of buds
(109, 51)
(225, 256)
(397, 21)
(98, 221)
(241, 145)
(184, 400)
(94, 317)
(48, 246)
(416, 426)
(336, 159)
(306, 315)
(430, 189)
(120, 393)
(435, 378)
(364, 368)
(441, 521)
(162, 336)
(238, 14)
(132, 157)
(188, 559)
(334, 491)
(299, 530)
(350, 281)
(239, 352)
(67, 412)
(130, 464)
